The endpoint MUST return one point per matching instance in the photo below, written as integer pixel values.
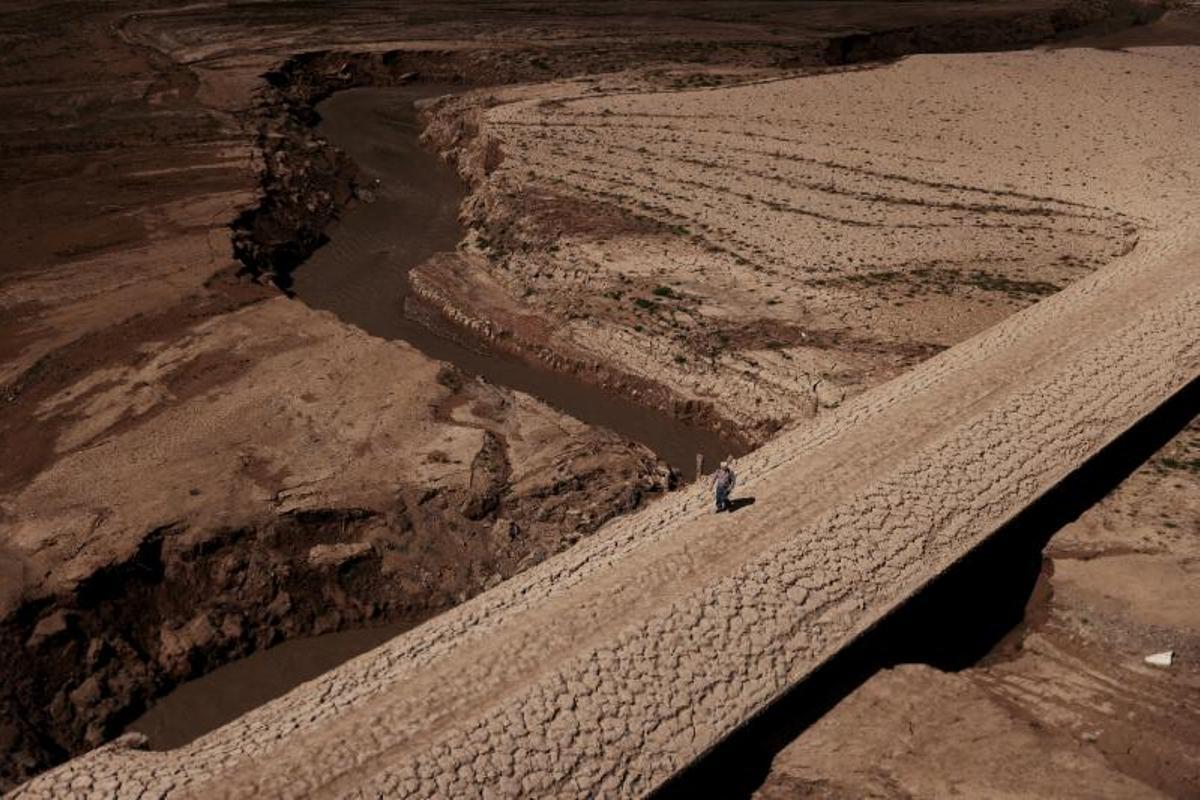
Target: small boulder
(1163, 659)
(87, 694)
(130, 741)
(51, 627)
(829, 395)
(280, 606)
(335, 556)
(176, 645)
(503, 532)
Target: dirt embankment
(525, 227)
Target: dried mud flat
(201, 467)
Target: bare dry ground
(195, 467)
(610, 667)
(772, 251)
(852, 512)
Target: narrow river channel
(361, 275)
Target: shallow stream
(194, 708)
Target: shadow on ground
(739, 503)
(952, 624)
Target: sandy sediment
(769, 252)
(611, 667)
(141, 563)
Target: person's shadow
(737, 503)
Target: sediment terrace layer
(609, 668)
(769, 249)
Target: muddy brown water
(361, 273)
(206, 703)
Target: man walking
(723, 481)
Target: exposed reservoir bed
(361, 275)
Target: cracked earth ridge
(608, 669)
(624, 716)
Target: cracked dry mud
(609, 668)
(1065, 703)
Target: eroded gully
(361, 275)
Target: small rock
(281, 605)
(1163, 659)
(50, 627)
(503, 532)
(829, 395)
(86, 694)
(326, 556)
(176, 645)
(231, 627)
(130, 741)
(199, 632)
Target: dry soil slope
(608, 668)
(799, 241)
